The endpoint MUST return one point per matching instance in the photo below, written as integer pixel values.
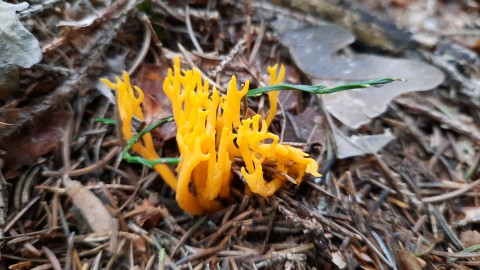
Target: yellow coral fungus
(128, 106)
(211, 134)
(273, 95)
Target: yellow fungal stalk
(211, 136)
(128, 101)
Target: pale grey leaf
(314, 50)
(360, 145)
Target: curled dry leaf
(407, 261)
(314, 49)
(91, 207)
(359, 145)
(149, 216)
(308, 128)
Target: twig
(201, 254)
(190, 29)
(147, 38)
(453, 194)
(184, 238)
(15, 218)
(85, 170)
(258, 42)
(187, 57)
(238, 48)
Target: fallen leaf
(351, 146)
(407, 261)
(470, 238)
(34, 140)
(156, 105)
(91, 207)
(149, 215)
(307, 128)
(288, 99)
(315, 51)
(15, 7)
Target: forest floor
(410, 201)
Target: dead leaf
(307, 128)
(288, 99)
(407, 261)
(91, 207)
(351, 146)
(156, 104)
(314, 50)
(470, 238)
(34, 140)
(149, 215)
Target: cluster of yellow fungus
(211, 136)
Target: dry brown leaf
(470, 238)
(149, 215)
(91, 207)
(407, 261)
(156, 104)
(34, 140)
(308, 129)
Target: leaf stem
(137, 137)
(321, 89)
